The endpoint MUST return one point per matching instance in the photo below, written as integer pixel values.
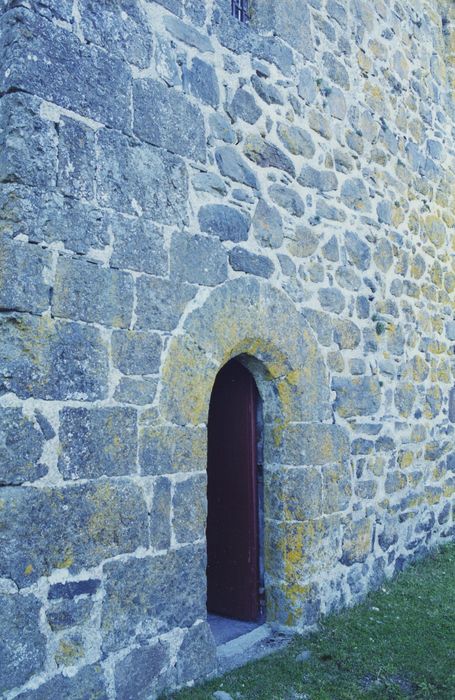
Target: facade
(180, 188)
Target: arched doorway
(250, 319)
(234, 496)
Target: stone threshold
(251, 646)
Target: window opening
(239, 9)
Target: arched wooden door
(232, 522)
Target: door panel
(232, 523)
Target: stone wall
(178, 189)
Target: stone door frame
(252, 319)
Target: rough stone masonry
(180, 188)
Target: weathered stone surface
(241, 259)
(175, 6)
(357, 542)
(72, 589)
(435, 230)
(322, 180)
(347, 278)
(321, 324)
(167, 449)
(296, 140)
(267, 155)
(153, 309)
(315, 443)
(296, 494)
(307, 86)
(87, 292)
(160, 514)
(68, 527)
(209, 182)
(223, 221)
(232, 165)
(288, 199)
(195, 11)
(49, 9)
(197, 654)
(21, 445)
(337, 103)
(101, 91)
(201, 81)
(70, 650)
(389, 535)
(303, 547)
(51, 360)
(136, 352)
(189, 509)
(267, 91)
(335, 360)
(157, 183)
(363, 307)
(319, 124)
(76, 159)
(384, 212)
(336, 487)
(138, 245)
(167, 65)
(346, 334)
(184, 32)
(154, 593)
(140, 673)
(331, 299)
(166, 118)
(331, 250)
(383, 255)
(336, 71)
(343, 161)
(221, 129)
(433, 401)
(268, 225)
(360, 396)
(50, 217)
(97, 442)
(291, 22)
(137, 391)
(357, 366)
(68, 613)
(358, 251)
(361, 446)
(198, 259)
(24, 284)
(87, 683)
(22, 644)
(242, 36)
(244, 106)
(326, 211)
(452, 405)
(395, 481)
(354, 195)
(28, 143)
(316, 272)
(121, 28)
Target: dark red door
(232, 523)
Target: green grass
(399, 643)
